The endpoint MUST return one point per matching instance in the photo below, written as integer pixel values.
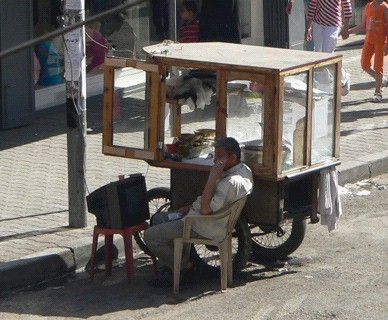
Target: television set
(121, 203)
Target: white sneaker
(346, 86)
(377, 97)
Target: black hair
(231, 146)
(190, 6)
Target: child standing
(375, 23)
(189, 31)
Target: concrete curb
(363, 168)
(47, 265)
(34, 269)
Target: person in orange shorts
(375, 23)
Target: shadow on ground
(50, 123)
(80, 297)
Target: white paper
(205, 160)
(73, 55)
(75, 5)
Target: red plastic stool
(126, 233)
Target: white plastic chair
(224, 246)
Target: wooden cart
(283, 106)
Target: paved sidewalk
(364, 124)
(36, 243)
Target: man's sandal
(377, 97)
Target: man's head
(228, 150)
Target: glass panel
(193, 140)
(322, 136)
(245, 118)
(294, 120)
(130, 109)
(245, 18)
(160, 19)
(131, 33)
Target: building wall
(141, 20)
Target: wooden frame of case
(230, 61)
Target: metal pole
(75, 75)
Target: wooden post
(75, 69)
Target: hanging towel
(329, 202)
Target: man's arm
(310, 14)
(210, 187)
(307, 34)
(346, 13)
(345, 29)
(361, 27)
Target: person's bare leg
(371, 72)
(378, 78)
(379, 81)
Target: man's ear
(234, 157)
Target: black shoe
(100, 259)
(165, 279)
(189, 276)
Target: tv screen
(120, 203)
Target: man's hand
(345, 33)
(208, 191)
(345, 29)
(218, 168)
(289, 7)
(184, 210)
(307, 34)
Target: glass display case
(282, 105)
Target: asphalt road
(337, 275)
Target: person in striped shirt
(189, 31)
(327, 20)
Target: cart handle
(308, 171)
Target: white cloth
(192, 88)
(329, 202)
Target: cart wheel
(159, 199)
(275, 244)
(207, 257)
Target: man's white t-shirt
(236, 183)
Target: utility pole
(75, 75)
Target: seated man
(229, 180)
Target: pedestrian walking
(375, 23)
(327, 20)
